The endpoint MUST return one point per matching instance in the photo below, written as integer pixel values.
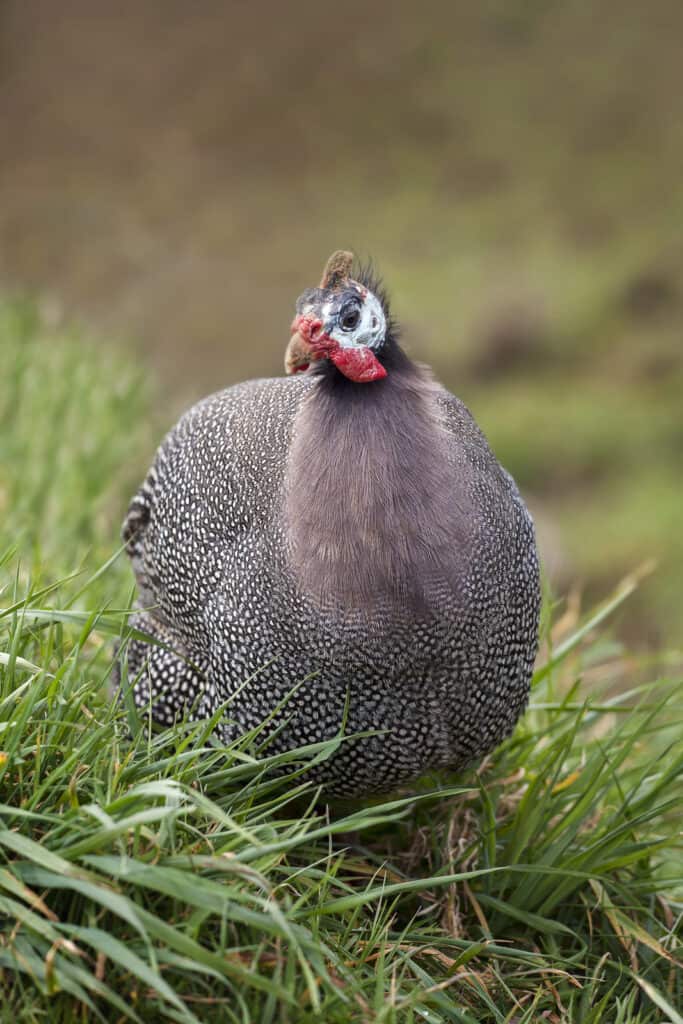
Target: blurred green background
(172, 175)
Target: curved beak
(305, 344)
(298, 355)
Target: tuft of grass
(157, 876)
(74, 434)
(152, 877)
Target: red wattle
(358, 364)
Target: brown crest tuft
(337, 269)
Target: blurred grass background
(173, 176)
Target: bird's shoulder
(468, 439)
(237, 426)
(228, 441)
(470, 446)
(250, 404)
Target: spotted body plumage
(210, 544)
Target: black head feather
(365, 273)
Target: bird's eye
(349, 320)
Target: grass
(155, 876)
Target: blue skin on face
(354, 317)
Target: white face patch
(370, 329)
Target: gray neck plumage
(373, 513)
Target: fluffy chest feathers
(376, 509)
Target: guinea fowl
(337, 549)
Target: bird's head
(342, 321)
